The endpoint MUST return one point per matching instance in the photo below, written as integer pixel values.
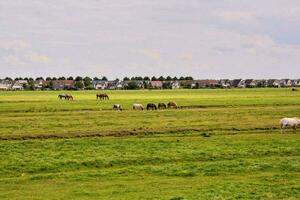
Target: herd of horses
(284, 123)
(150, 106)
(135, 106)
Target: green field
(229, 147)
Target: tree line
(104, 78)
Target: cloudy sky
(117, 38)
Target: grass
(228, 149)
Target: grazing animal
(117, 107)
(294, 89)
(289, 122)
(69, 97)
(62, 96)
(65, 97)
(102, 97)
(137, 106)
(172, 105)
(151, 106)
(162, 106)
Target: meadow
(222, 144)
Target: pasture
(221, 144)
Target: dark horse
(162, 106)
(102, 97)
(65, 97)
(151, 106)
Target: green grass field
(228, 148)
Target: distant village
(135, 83)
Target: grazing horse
(65, 97)
(294, 89)
(289, 122)
(172, 105)
(162, 106)
(117, 107)
(69, 97)
(102, 97)
(62, 96)
(137, 106)
(151, 106)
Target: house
(273, 83)
(175, 85)
(5, 85)
(207, 83)
(247, 83)
(18, 85)
(296, 83)
(62, 84)
(40, 84)
(115, 85)
(188, 83)
(286, 83)
(235, 82)
(140, 84)
(225, 83)
(156, 84)
(100, 85)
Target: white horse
(137, 106)
(289, 122)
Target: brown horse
(172, 105)
(102, 97)
(162, 106)
(69, 97)
(65, 97)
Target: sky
(118, 38)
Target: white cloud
(15, 45)
(13, 60)
(38, 58)
(236, 16)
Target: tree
(62, 78)
(161, 78)
(87, 81)
(189, 78)
(78, 78)
(132, 85)
(51, 85)
(70, 78)
(175, 78)
(48, 79)
(167, 85)
(126, 79)
(104, 78)
(146, 78)
(78, 85)
(39, 79)
(153, 78)
(169, 78)
(181, 78)
(96, 79)
(54, 79)
(8, 79)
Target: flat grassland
(221, 144)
